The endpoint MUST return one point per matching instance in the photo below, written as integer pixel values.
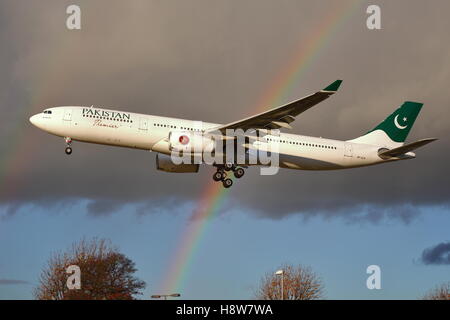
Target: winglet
(334, 86)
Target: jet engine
(164, 163)
(190, 142)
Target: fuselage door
(67, 115)
(143, 124)
(348, 150)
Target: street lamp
(281, 273)
(159, 296)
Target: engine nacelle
(190, 142)
(164, 163)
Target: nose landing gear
(68, 149)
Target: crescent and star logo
(398, 124)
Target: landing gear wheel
(239, 172)
(228, 166)
(218, 176)
(68, 150)
(227, 183)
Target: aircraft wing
(282, 116)
(386, 154)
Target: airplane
(384, 143)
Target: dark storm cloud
(438, 254)
(12, 282)
(214, 62)
(102, 207)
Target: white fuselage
(147, 132)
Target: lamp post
(159, 296)
(281, 273)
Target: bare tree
(105, 274)
(441, 292)
(299, 283)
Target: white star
(405, 118)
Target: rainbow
(208, 205)
(214, 194)
(16, 161)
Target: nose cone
(36, 120)
(33, 119)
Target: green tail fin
(400, 122)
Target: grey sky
(213, 61)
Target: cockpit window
(48, 112)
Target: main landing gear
(68, 149)
(222, 173)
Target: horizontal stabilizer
(391, 153)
